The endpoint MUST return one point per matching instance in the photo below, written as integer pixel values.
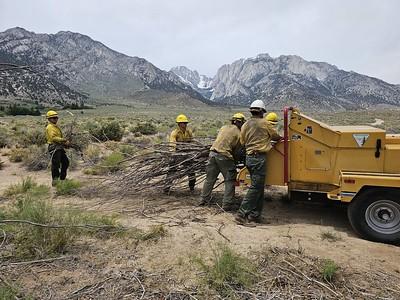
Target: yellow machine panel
(275, 165)
(318, 152)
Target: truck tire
(375, 215)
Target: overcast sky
(363, 36)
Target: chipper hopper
(356, 165)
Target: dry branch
(39, 261)
(160, 167)
(58, 226)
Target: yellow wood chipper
(356, 165)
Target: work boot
(203, 203)
(239, 219)
(253, 220)
(229, 207)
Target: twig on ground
(312, 279)
(141, 285)
(4, 238)
(221, 234)
(87, 226)
(47, 260)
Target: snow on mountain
(200, 83)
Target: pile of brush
(161, 167)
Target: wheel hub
(383, 216)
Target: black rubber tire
(357, 209)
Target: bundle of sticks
(161, 167)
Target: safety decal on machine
(296, 137)
(361, 138)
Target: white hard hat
(258, 104)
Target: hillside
(291, 80)
(78, 66)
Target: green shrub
(127, 150)
(18, 154)
(37, 158)
(145, 128)
(330, 236)
(4, 138)
(109, 164)
(74, 158)
(18, 110)
(67, 187)
(106, 131)
(7, 293)
(92, 153)
(228, 268)
(26, 185)
(40, 242)
(155, 233)
(33, 137)
(329, 269)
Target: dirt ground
(119, 266)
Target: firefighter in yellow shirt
(272, 119)
(222, 158)
(256, 135)
(181, 134)
(56, 144)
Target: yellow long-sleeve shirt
(54, 134)
(256, 135)
(227, 141)
(179, 136)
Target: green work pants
(218, 163)
(253, 202)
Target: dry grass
(330, 236)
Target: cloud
(363, 36)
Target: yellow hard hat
(239, 116)
(51, 114)
(272, 117)
(182, 119)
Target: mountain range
(291, 80)
(70, 67)
(78, 67)
(200, 83)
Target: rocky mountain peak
(292, 80)
(200, 83)
(85, 65)
(18, 32)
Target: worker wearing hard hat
(272, 119)
(56, 144)
(256, 135)
(222, 160)
(181, 134)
